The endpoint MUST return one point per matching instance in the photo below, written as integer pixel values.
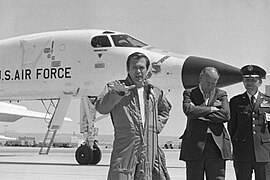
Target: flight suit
(249, 131)
(135, 154)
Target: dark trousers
(211, 163)
(243, 170)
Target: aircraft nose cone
(193, 65)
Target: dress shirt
(206, 97)
(255, 96)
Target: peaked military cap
(253, 71)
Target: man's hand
(214, 109)
(217, 103)
(120, 87)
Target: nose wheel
(86, 155)
(88, 152)
(96, 155)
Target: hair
(136, 56)
(208, 71)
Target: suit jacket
(249, 128)
(199, 118)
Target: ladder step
(46, 145)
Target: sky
(233, 31)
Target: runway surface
(19, 163)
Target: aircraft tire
(96, 155)
(84, 155)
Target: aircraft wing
(11, 112)
(6, 138)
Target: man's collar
(205, 93)
(200, 87)
(129, 81)
(255, 95)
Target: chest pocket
(243, 118)
(243, 123)
(239, 136)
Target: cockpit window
(124, 40)
(100, 41)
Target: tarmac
(20, 163)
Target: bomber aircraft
(59, 66)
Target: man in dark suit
(205, 142)
(249, 127)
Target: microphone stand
(150, 150)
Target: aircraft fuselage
(79, 63)
(55, 64)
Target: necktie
(253, 101)
(206, 98)
(207, 95)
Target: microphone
(149, 88)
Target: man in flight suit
(249, 127)
(139, 111)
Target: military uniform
(249, 128)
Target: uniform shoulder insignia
(265, 102)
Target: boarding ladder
(50, 134)
(56, 120)
(47, 142)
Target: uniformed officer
(249, 127)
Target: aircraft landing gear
(88, 152)
(86, 155)
(96, 155)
